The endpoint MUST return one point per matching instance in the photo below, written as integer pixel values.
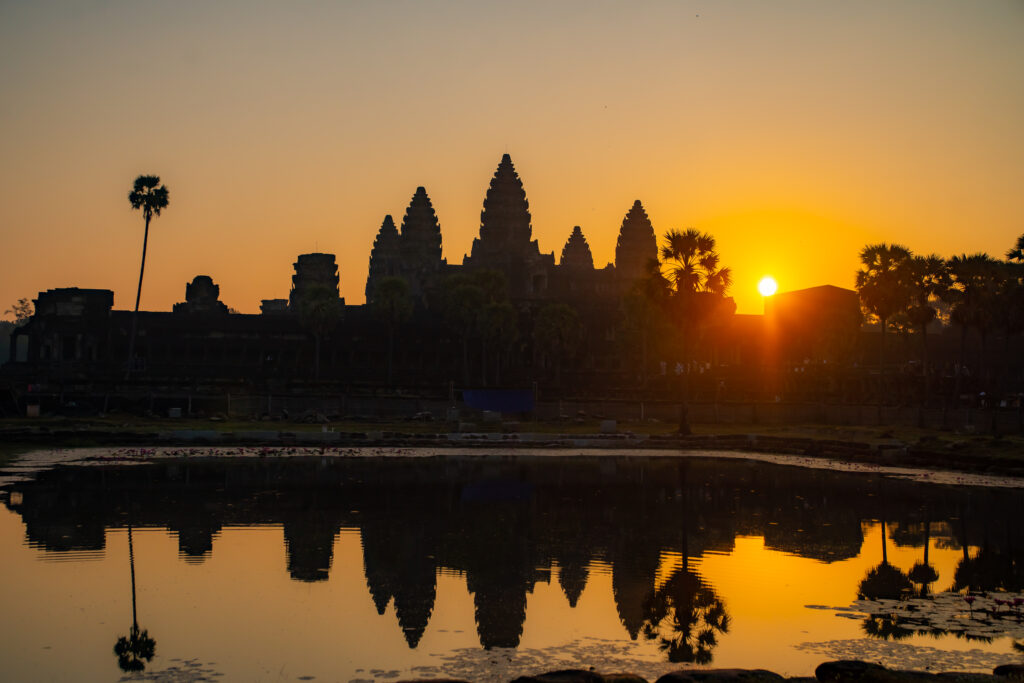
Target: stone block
(609, 427)
(566, 676)
(721, 676)
(849, 670)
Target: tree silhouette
(686, 616)
(694, 287)
(391, 303)
(462, 299)
(928, 282)
(977, 280)
(922, 573)
(137, 648)
(150, 197)
(319, 310)
(22, 310)
(556, 330)
(1017, 253)
(884, 581)
(882, 283)
(499, 329)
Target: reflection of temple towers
(636, 248)
(505, 242)
(634, 565)
(312, 270)
(573, 573)
(385, 257)
(399, 559)
(499, 595)
(195, 536)
(310, 545)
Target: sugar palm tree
(1017, 253)
(150, 197)
(928, 282)
(694, 288)
(556, 331)
(882, 283)
(392, 303)
(319, 310)
(977, 280)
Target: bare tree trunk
(138, 298)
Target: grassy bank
(988, 452)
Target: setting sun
(767, 286)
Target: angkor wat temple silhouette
(508, 317)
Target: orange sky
(794, 132)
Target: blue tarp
(499, 400)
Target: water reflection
(506, 524)
(137, 648)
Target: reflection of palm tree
(687, 616)
(884, 581)
(134, 650)
(885, 627)
(923, 573)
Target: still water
(315, 567)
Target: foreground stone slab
(566, 676)
(721, 676)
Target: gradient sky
(794, 132)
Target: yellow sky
(795, 132)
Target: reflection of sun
(767, 286)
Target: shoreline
(990, 458)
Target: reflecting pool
(308, 565)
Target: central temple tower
(505, 243)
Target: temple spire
(505, 219)
(421, 232)
(384, 256)
(637, 245)
(576, 252)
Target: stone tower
(419, 245)
(505, 242)
(385, 257)
(201, 296)
(576, 252)
(312, 270)
(636, 248)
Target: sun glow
(767, 286)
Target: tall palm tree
(977, 280)
(556, 331)
(882, 283)
(319, 310)
(1017, 253)
(695, 287)
(150, 197)
(392, 303)
(928, 282)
